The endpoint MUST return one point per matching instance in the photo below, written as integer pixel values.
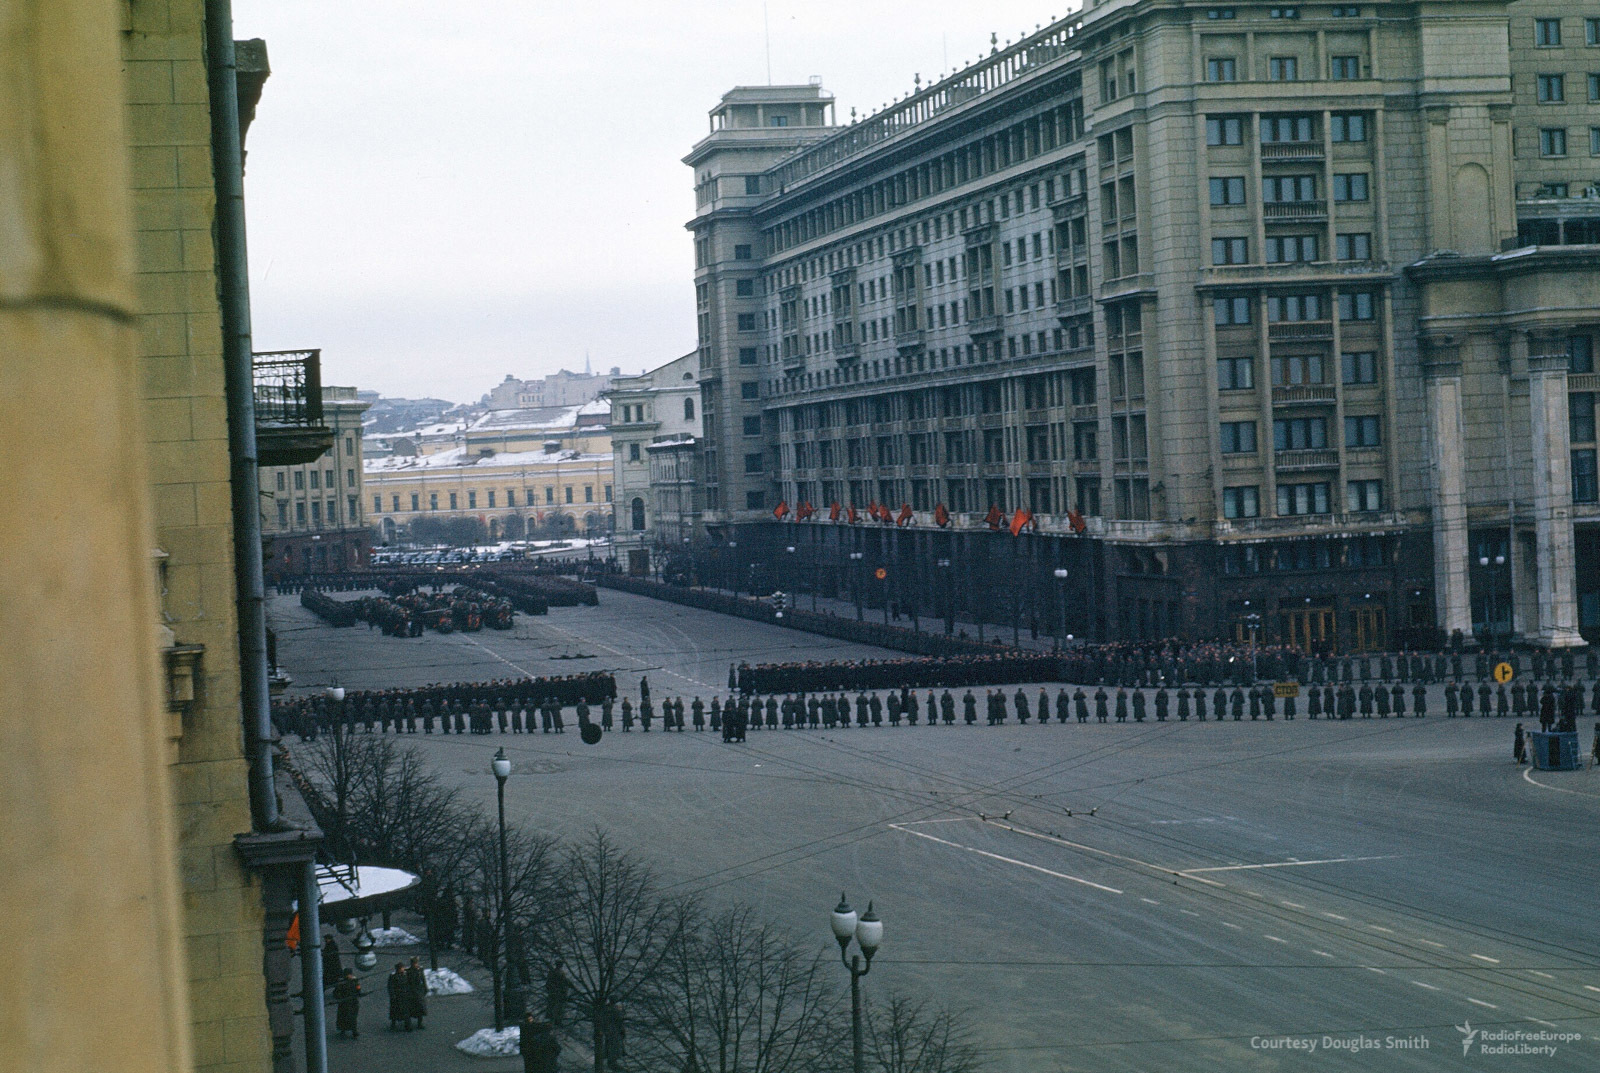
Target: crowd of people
(516, 705)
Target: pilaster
(1452, 592)
(1555, 556)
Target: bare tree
(737, 995)
(610, 925)
(906, 1035)
(338, 762)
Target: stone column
(1447, 460)
(95, 975)
(1555, 557)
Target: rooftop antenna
(766, 30)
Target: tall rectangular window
(1359, 367)
(1547, 33)
(1238, 437)
(1236, 374)
(1585, 479)
(1591, 32)
(1241, 502)
(1580, 354)
(1344, 68)
(414, 505)
(1222, 69)
(377, 504)
(1580, 416)
(1348, 126)
(1229, 251)
(1552, 89)
(1553, 141)
(472, 500)
(1225, 130)
(1283, 68)
(1228, 190)
(283, 515)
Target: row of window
(1336, 11)
(314, 519)
(1293, 249)
(1229, 190)
(491, 497)
(1553, 141)
(1283, 68)
(1292, 308)
(1244, 501)
(1296, 555)
(1297, 370)
(1300, 434)
(1547, 33)
(1288, 128)
(1552, 89)
(314, 478)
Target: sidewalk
(451, 1018)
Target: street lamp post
(855, 583)
(867, 931)
(1061, 604)
(735, 544)
(501, 766)
(1253, 623)
(949, 599)
(794, 575)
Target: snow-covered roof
(464, 458)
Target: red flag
(994, 517)
(1020, 520)
(941, 517)
(885, 515)
(833, 512)
(804, 512)
(1075, 520)
(291, 938)
(780, 510)
(852, 516)
(872, 510)
(905, 514)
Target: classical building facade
(312, 514)
(462, 497)
(656, 407)
(560, 388)
(1225, 299)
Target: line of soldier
(1140, 665)
(459, 707)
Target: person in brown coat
(419, 991)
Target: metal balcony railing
(288, 403)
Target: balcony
(1300, 330)
(1087, 412)
(1583, 381)
(1302, 395)
(981, 326)
(1291, 151)
(1130, 286)
(1295, 210)
(1327, 272)
(1289, 461)
(908, 339)
(1086, 467)
(846, 353)
(288, 404)
(1075, 306)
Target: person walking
(540, 1048)
(556, 990)
(419, 991)
(347, 1004)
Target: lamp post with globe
(501, 767)
(867, 931)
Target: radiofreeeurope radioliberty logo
(1511, 1041)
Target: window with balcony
(1294, 370)
(1288, 308)
(1290, 249)
(1282, 129)
(1300, 434)
(1283, 189)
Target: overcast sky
(444, 192)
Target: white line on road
(1527, 775)
(1546, 975)
(1283, 864)
(1430, 942)
(1486, 957)
(1335, 916)
(1547, 1024)
(1380, 927)
(1419, 983)
(1480, 1002)
(1149, 901)
(1273, 938)
(1380, 972)
(1007, 860)
(1322, 953)
(1590, 987)
(1235, 927)
(1294, 905)
(1189, 912)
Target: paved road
(1374, 880)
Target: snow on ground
(394, 937)
(446, 982)
(487, 1043)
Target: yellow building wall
(592, 473)
(180, 350)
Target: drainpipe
(311, 982)
(227, 163)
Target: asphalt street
(1156, 896)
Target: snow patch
(446, 982)
(394, 937)
(487, 1043)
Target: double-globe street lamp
(1061, 603)
(855, 582)
(867, 931)
(501, 766)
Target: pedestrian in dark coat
(1122, 704)
(419, 991)
(347, 999)
(332, 964)
(1236, 703)
(969, 708)
(1452, 700)
(1138, 705)
(1080, 705)
(399, 989)
(1020, 702)
(1519, 746)
(540, 1048)
(557, 988)
(1313, 702)
(1419, 700)
(1100, 704)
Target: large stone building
(653, 415)
(560, 388)
(312, 513)
(1268, 314)
(464, 496)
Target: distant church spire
(587, 370)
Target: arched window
(688, 409)
(638, 515)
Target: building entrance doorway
(1371, 633)
(1310, 629)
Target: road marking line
(1547, 1024)
(1322, 953)
(1590, 987)
(1430, 942)
(1480, 1002)
(1485, 957)
(1419, 983)
(1284, 864)
(1527, 775)
(1190, 912)
(1274, 938)
(1294, 905)
(1335, 916)
(1380, 927)
(947, 819)
(1546, 975)
(1235, 927)
(1149, 901)
(1380, 972)
(1007, 860)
